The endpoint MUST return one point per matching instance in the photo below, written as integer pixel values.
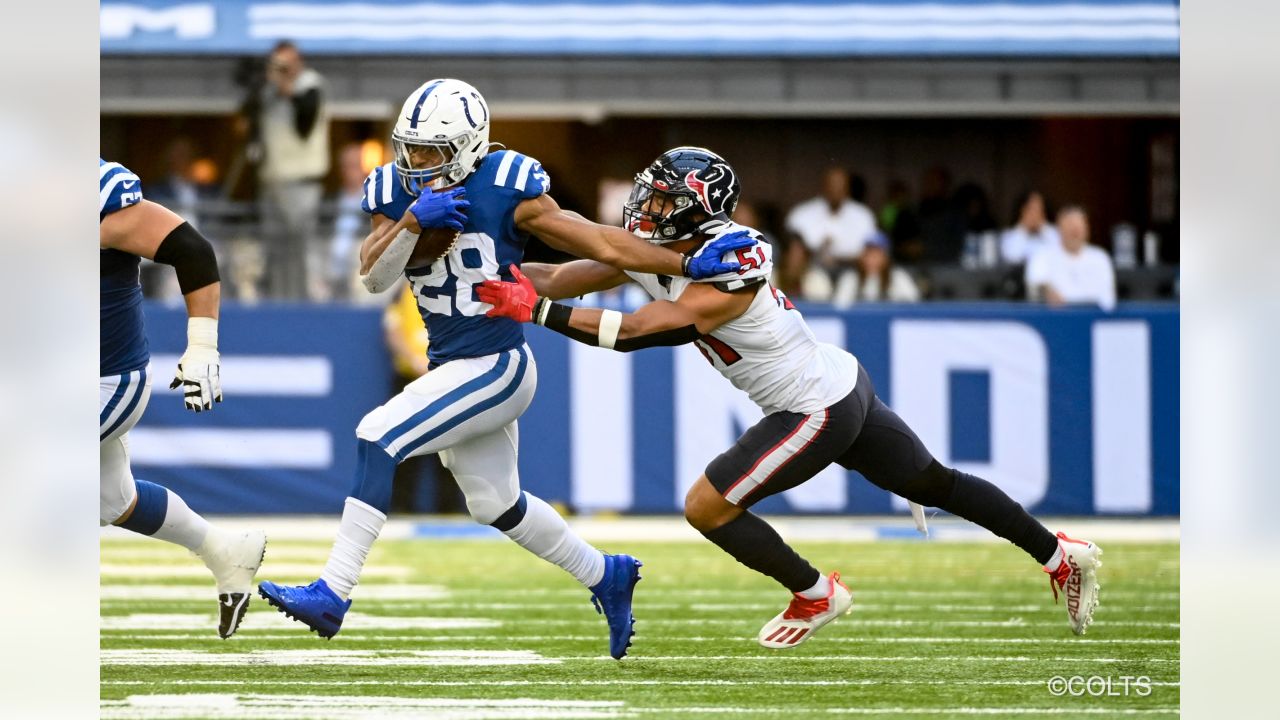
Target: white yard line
(708, 682)
(277, 621)
(673, 528)
(196, 569)
(357, 636)
(336, 707)
(520, 657)
(378, 658)
(114, 591)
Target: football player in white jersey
(482, 205)
(820, 406)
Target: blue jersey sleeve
(118, 188)
(522, 174)
(383, 193)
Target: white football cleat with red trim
(1077, 576)
(804, 617)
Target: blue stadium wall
(1071, 411)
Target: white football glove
(199, 373)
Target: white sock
(820, 589)
(545, 534)
(182, 525)
(359, 527)
(1054, 561)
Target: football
(432, 244)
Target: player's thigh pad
(121, 402)
(116, 487)
(890, 454)
(459, 400)
(785, 449)
(485, 469)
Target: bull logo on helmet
(714, 189)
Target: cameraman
(293, 124)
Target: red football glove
(514, 300)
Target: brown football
(432, 243)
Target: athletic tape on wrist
(610, 324)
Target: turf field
(476, 629)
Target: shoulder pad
(380, 188)
(519, 172)
(756, 262)
(118, 188)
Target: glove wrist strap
(541, 309)
(684, 265)
(202, 332)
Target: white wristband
(202, 332)
(610, 324)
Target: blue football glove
(707, 263)
(440, 209)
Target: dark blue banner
(1071, 411)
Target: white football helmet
(447, 120)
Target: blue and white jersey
(455, 319)
(122, 339)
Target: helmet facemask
(427, 164)
(660, 216)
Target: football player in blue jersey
(130, 228)
(482, 375)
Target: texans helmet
(679, 193)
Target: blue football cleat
(612, 598)
(314, 605)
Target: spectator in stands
(897, 201)
(933, 232)
(182, 189)
(832, 226)
(1075, 272)
(1030, 232)
(875, 279)
(185, 185)
(294, 124)
(350, 225)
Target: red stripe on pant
(774, 449)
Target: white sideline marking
(114, 591)
(157, 657)
(863, 658)
(1003, 711)
(720, 608)
(364, 637)
(270, 569)
(673, 528)
(272, 620)
(593, 683)
(1012, 622)
(163, 552)
(338, 707)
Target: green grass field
(479, 629)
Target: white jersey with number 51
(768, 352)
